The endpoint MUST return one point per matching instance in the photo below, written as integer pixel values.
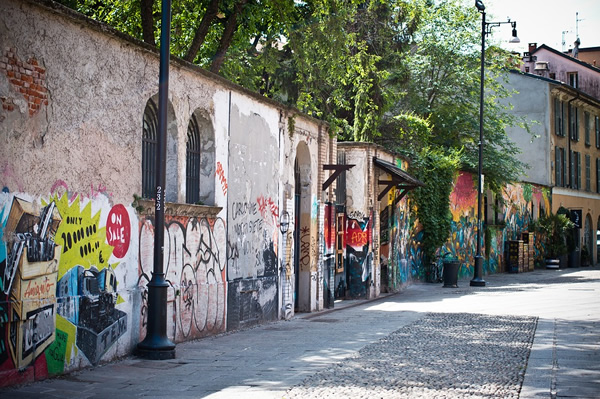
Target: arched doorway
(302, 229)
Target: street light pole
(478, 280)
(156, 345)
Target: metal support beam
(338, 169)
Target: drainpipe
(570, 185)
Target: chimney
(532, 47)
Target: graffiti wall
(253, 219)
(194, 264)
(406, 250)
(506, 219)
(61, 264)
(359, 254)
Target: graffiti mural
(514, 214)
(58, 284)
(87, 294)
(29, 273)
(329, 233)
(359, 258)
(195, 267)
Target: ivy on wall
(436, 169)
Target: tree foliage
(444, 88)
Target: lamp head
(515, 38)
(479, 5)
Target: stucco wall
(561, 66)
(533, 103)
(73, 95)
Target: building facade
(561, 95)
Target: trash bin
(451, 273)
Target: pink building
(550, 63)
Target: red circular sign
(118, 230)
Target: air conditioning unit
(541, 66)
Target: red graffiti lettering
(221, 174)
(37, 289)
(268, 209)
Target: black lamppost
(156, 345)
(486, 28)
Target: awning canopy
(400, 179)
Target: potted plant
(555, 228)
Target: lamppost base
(155, 354)
(477, 281)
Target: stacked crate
(515, 256)
(528, 239)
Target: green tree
(443, 88)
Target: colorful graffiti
(514, 215)
(87, 293)
(59, 288)
(329, 233)
(404, 244)
(359, 257)
(29, 275)
(195, 267)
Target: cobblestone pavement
(528, 335)
(438, 356)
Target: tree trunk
(200, 35)
(147, 21)
(227, 37)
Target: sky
(544, 21)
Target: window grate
(149, 149)
(193, 156)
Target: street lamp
(156, 345)
(486, 29)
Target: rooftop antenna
(577, 25)
(564, 43)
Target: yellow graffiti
(81, 239)
(71, 332)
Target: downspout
(571, 177)
(227, 197)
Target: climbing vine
(436, 169)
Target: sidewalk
(426, 341)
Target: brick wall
(27, 78)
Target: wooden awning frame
(400, 179)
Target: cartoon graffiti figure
(29, 275)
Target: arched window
(149, 148)
(193, 155)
